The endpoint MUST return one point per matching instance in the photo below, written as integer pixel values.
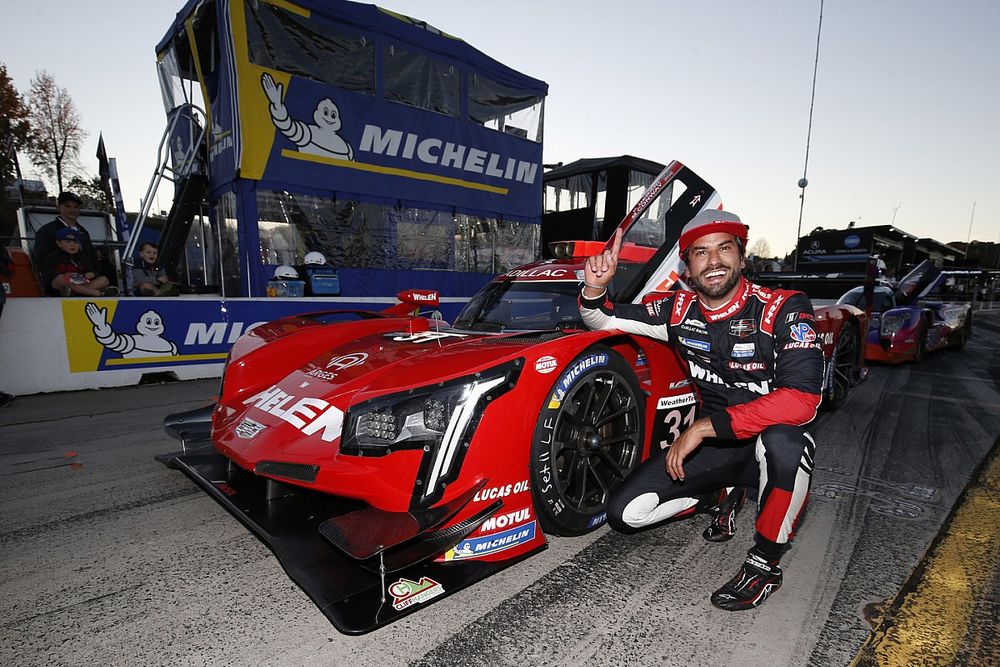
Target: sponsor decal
(570, 376)
(309, 415)
(695, 330)
(653, 309)
(493, 543)
(702, 345)
(681, 302)
(791, 317)
(742, 328)
(772, 311)
(826, 337)
(502, 521)
(801, 346)
(852, 241)
(675, 401)
(423, 336)
(597, 520)
(737, 303)
(248, 428)
(803, 333)
(748, 366)
(743, 350)
(321, 374)
(406, 592)
(494, 492)
(641, 360)
(538, 273)
(546, 365)
(347, 360)
(678, 384)
(698, 324)
(701, 373)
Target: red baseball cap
(710, 222)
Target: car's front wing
(391, 572)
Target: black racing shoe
(752, 585)
(723, 525)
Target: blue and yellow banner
(113, 334)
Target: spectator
(6, 269)
(66, 271)
(105, 266)
(45, 237)
(148, 278)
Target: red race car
(392, 459)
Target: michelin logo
(320, 138)
(147, 341)
(491, 544)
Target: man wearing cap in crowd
(756, 361)
(69, 214)
(66, 271)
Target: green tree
(90, 191)
(14, 126)
(58, 133)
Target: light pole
(805, 168)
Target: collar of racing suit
(731, 307)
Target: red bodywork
(297, 391)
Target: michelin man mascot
(147, 341)
(318, 139)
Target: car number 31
(676, 421)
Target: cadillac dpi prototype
(904, 324)
(392, 459)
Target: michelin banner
(112, 334)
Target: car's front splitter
(356, 595)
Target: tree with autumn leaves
(44, 124)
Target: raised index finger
(616, 244)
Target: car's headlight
(439, 419)
(892, 323)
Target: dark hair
(150, 244)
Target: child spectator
(66, 271)
(148, 279)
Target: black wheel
(965, 334)
(588, 437)
(918, 354)
(843, 368)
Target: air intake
(296, 471)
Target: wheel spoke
(604, 402)
(616, 469)
(607, 442)
(570, 468)
(600, 482)
(583, 484)
(613, 416)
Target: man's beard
(719, 290)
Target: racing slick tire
(843, 368)
(965, 334)
(921, 349)
(588, 438)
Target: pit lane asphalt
(107, 557)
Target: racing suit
(757, 364)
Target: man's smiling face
(714, 263)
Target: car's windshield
(856, 297)
(509, 305)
